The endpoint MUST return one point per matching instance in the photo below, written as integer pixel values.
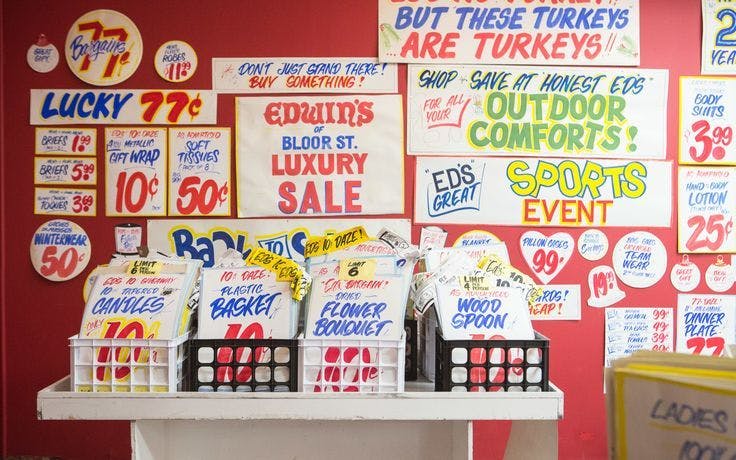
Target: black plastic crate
(492, 365)
(412, 353)
(229, 365)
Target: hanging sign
(592, 244)
(122, 107)
(529, 32)
(707, 120)
(65, 201)
(103, 48)
(632, 329)
(199, 172)
(557, 302)
(42, 56)
(135, 171)
(64, 171)
(718, 46)
(66, 141)
(303, 75)
(319, 156)
(60, 250)
(705, 323)
(706, 207)
(685, 276)
(604, 290)
(175, 61)
(537, 112)
(546, 255)
(640, 259)
(543, 192)
(719, 277)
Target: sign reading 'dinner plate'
(540, 112)
(528, 32)
(122, 106)
(319, 156)
(547, 192)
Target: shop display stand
(416, 424)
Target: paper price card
(529, 32)
(547, 255)
(707, 120)
(60, 250)
(719, 46)
(175, 61)
(122, 107)
(640, 259)
(543, 192)
(303, 75)
(319, 156)
(135, 171)
(706, 206)
(557, 302)
(199, 172)
(633, 329)
(537, 112)
(65, 201)
(64, 171)
(66, 141)
(245, 303)
(705, 323)
(357, 269)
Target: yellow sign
(357, 269)
(285, 270)
(475, 283)
(145, 267)
(319, 245)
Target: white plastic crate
(127, 365)
(351, 365)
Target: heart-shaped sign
(546, 255)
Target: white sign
(319, 156)
(718, 47)
(537, 112)
(64, 171)
(60, 250)
(632, 329)
(719, 277)
(705, 323)
(707, 120)
(640, 259)
(175, 61)
(685, 276)
(543, 192)
(123, 107)
(532, 32)
(303, 75)
(208, 239)
(604, 290)
(66, 141)
(706, 207)
(546, 255)
(592, 244)
(199, 172)
(135, 171)
(557, 302)
(65, 201)
(42, 56)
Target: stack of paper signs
(475, 293)
(359, 286)
(247, 301)
(140, 298)
(669, 405)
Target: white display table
(417, 424)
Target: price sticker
(60, 250)
(357, 269)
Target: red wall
(40, 315)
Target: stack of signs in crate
(148, 300)
(354, 330)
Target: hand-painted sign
(707, 121)
(639, 259)
(632, 329)
(546, 255)
(544, 192)
(319, 156)
(208, 239)
(64, 171)
(719, 46)
(103, 47)
(42, 56)
(303, 75)
(135, 171)
(685, 276)
(512, 32)
(705, 323)
(592, 244)
(557, 302)
(66, 141)
(60, 250)
(539, 112)
(199, 172)
(706, 207)
(122, 107)
(175, 61)
(65, 201)
(604, 290)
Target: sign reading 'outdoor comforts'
(535, 111)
